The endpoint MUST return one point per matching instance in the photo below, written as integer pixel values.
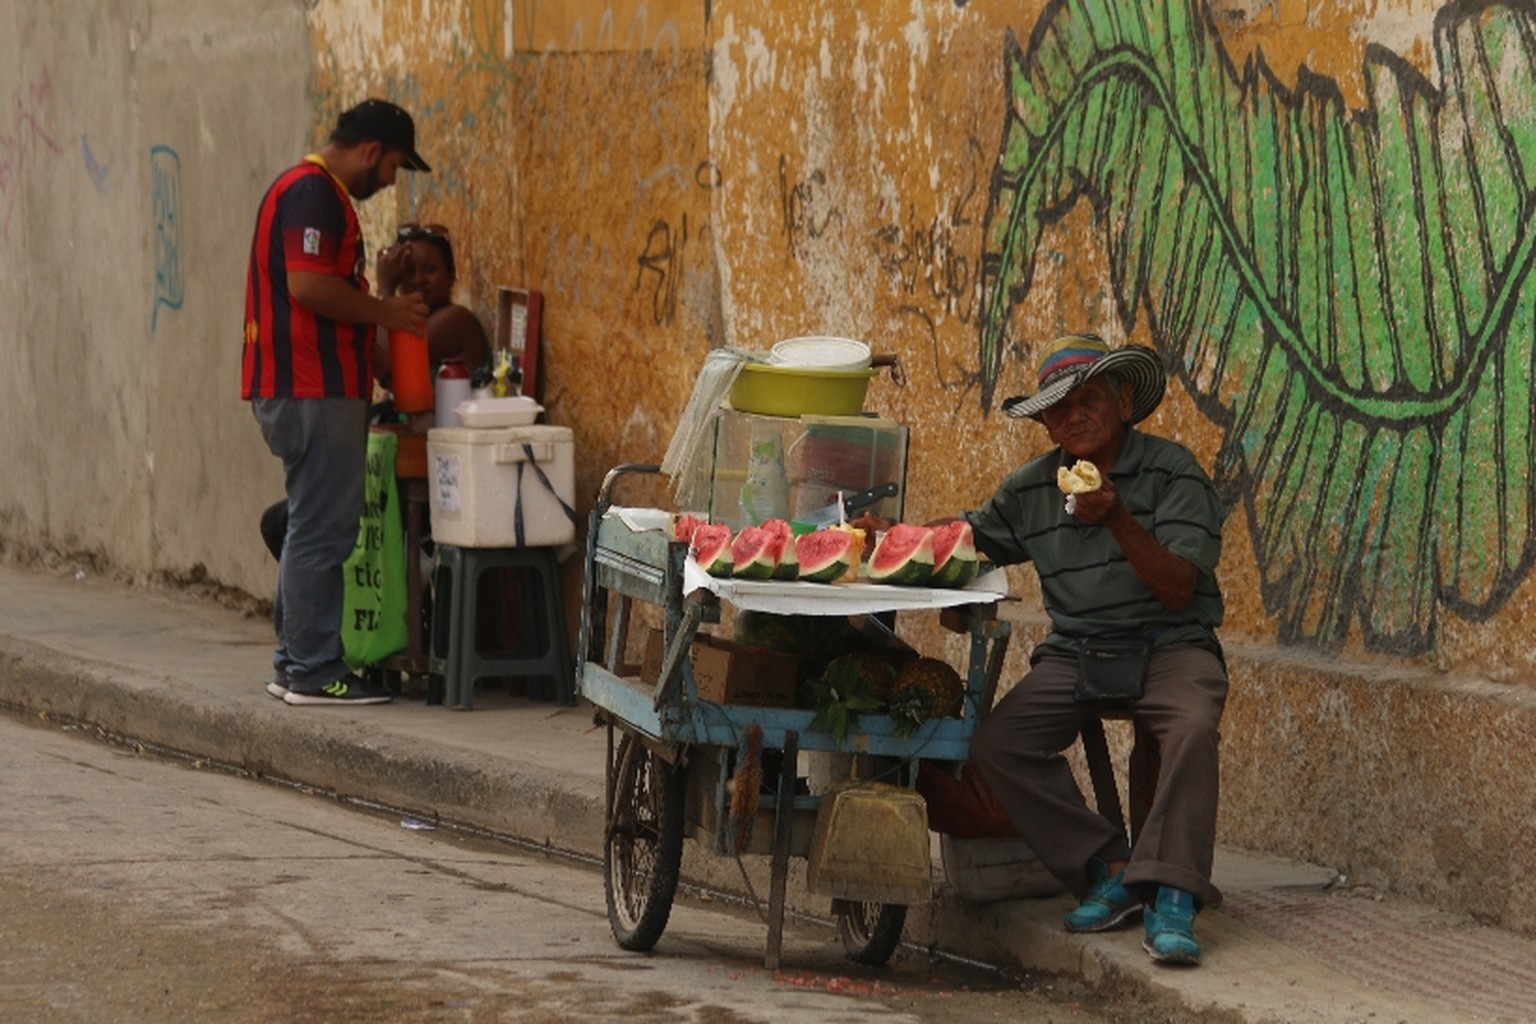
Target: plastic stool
(541, 652)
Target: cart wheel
(870, 931)
(643, 851)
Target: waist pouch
(1112, 671)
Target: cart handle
(618, 471)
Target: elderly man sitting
(1127, 573)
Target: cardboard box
(650, 665)
(727, 672)
(731, 673)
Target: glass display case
(794, 468)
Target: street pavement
(181, 672)
(145, 890)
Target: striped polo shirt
(1089, 587)
(305, 222)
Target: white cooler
(483, 481)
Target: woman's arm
(454, 332)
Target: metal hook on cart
(898, 372)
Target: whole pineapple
(860, 671)
(853, 683)
(926, 688)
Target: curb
(430, 781)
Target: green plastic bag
(373, 623)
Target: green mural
(1346, 293)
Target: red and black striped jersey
(306, 222)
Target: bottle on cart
(765, 492)
(515, 378)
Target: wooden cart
(671, 755)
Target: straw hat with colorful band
(1075, 358)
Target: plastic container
(499, 412)
(765, 493)
(821, 353)
(452, 388)
(482, 481)
(871, 844)
(797, 391)
(410, 372)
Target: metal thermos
(451, 389)
(410, 372)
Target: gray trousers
(323, 443)
(1017, 748)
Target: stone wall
(135, 141)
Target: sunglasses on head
(411, 232)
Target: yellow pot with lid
(777, 390)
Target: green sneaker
(1108, 903)
(349, 689)
(1171, 928)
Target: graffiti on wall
(660, 266)
(661, 263)
(24, 134)
(94, 168)
(929, 259)
(1346, 293)
(806, 206)
(165, 186)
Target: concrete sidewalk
(184, 674)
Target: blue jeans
(323, 443)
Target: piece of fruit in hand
(1080, 479)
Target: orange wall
(678, 176)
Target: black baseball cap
(382, 121)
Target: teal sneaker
(1108, 903)
(1171, 928)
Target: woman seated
(421, 261)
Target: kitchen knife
(851, 504)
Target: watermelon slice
(954, 555)
(753, 553)
(904, 555)
(684, 526)
(711, 548)
(825, 555)
(783, 549)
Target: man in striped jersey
(307, 370)
(1134, 560)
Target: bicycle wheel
(643, 850)
(870, 931)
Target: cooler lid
(498, 435)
